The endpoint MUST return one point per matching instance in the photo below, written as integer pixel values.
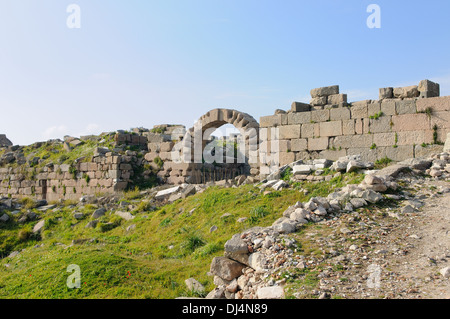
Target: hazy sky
(138, 63)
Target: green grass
(168, 244)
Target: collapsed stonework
(409, 122)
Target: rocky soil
(361, 244)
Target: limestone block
(359, 111)
(441, 119)
(299, 145)
(341, 113)
(269, 121)
(325, 91)
(399, 153)
(317, 144)
(410, 122)
(384, 139)
(386, 93)
(348, 127)
(410, 137)
(428, 89)
(310, 130)
(406, 92)
(289, 131)
(367, 154)
(436, 104)
(380, 125)
(405, 107)
(320, 115)
(333, 128)
(318, 101)
(388, 107)
(333, 155)
(373, 108)
(352, 141)
(286, 158)
(337, 99)
(284, 145)
(300, 107)
(299, 118)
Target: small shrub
(374, 146)
(158, 161)
(193, 242)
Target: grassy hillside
(165, 246)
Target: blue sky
(139, 63)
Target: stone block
(359, 111)
(332, 128)
(317, 144)
(352, 141)
(373, 108)
(333, 155)
(384, 139)
(406, 92)
(405, 107)
(325, 91)
(388, 108)
(284, 145)
(337, 99)
(320, 115)
(299, 145)
(310, 130)
(269, 121)
(318, 101)
(399, 153)
(348, 127)
(428, 89)
(300, 107)
(436, 104)
(299, 118)
(341, 113)
(166, 146)
(286, 158)
(410, 122)
(427, 151)
(441, 119)
(289, 131)
(410, 137)
(380, 125)
(367, 154)
(386, 93)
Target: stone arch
(245, 123)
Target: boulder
(98, 213)
(125, 215)
(194, 285)
(226, 268)
(236, 245)
(38, 227)
(166, 192)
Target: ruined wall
(106, 173)
(403, 123)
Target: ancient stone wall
(403, 123)
(106, 173)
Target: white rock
(301, 169)
(445, 272)
(167, 192)
(193, 285)
(125, 215)
(38, 227)
(257, 261)
(274, 292)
